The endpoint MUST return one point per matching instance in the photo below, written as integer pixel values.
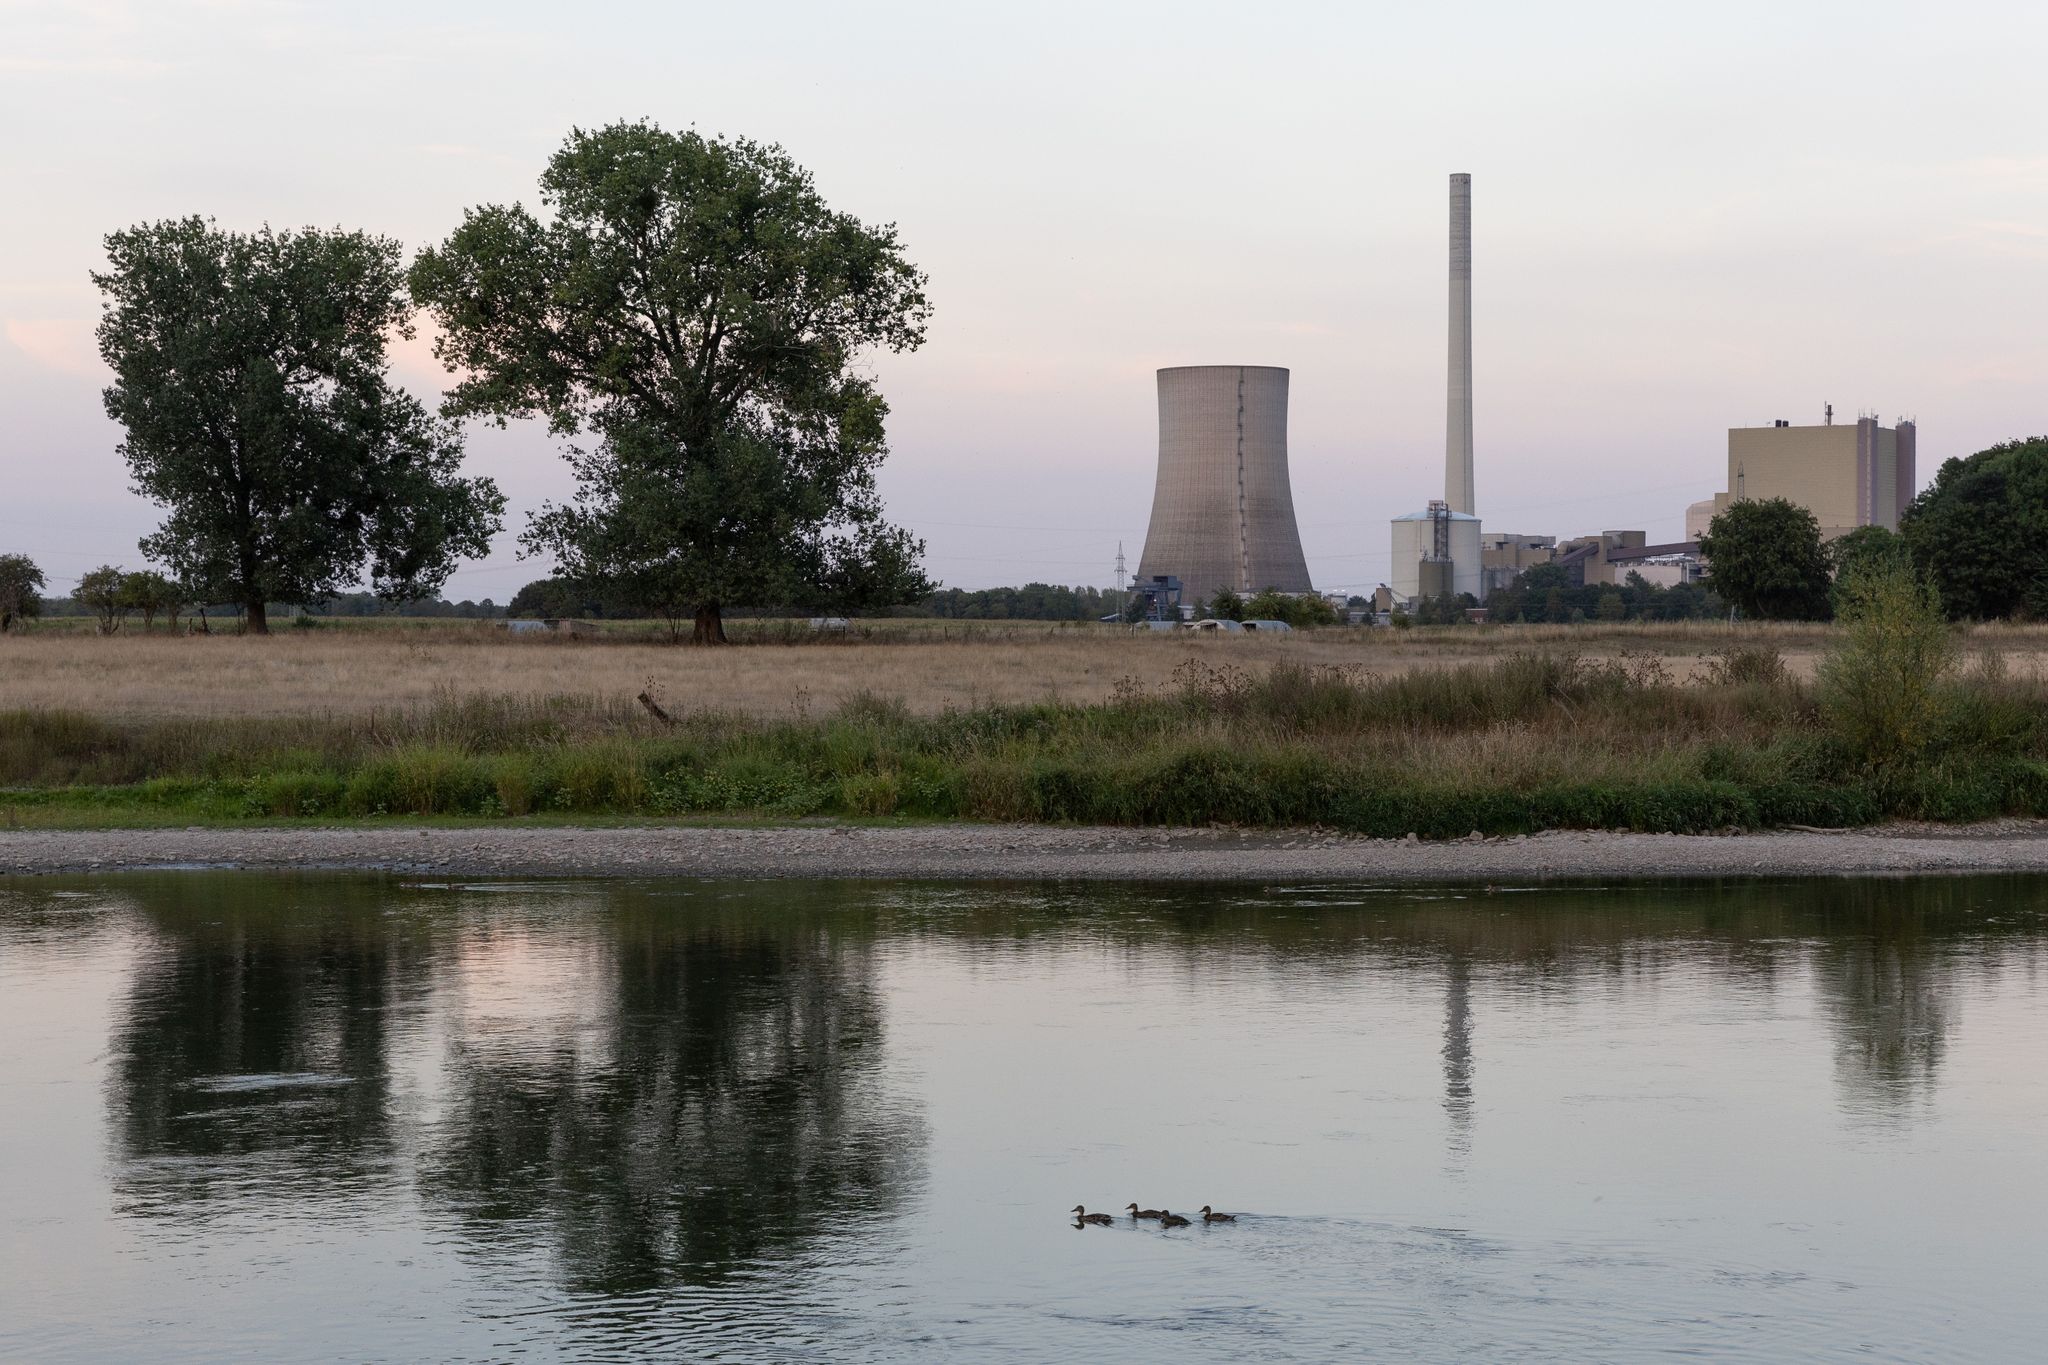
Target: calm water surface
(261, 1118)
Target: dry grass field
(931, 666)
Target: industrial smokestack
(1458, 420)
(1222, 510)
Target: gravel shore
(1030, 852)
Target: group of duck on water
(1164, 1218)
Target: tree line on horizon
(688, 316)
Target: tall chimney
(1458, 424)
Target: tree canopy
(250, 374)
(1766, 559)
(19, 581)
(100, 593)
(689, 315)
(1980, 532)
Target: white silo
(1435, 551)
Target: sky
(1685, 218)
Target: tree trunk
(710, 626)
(258, 620)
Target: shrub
(1746, 666)
(1880, 685)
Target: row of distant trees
(115, 597)
(1977, 537)
(1545, 593)
(686, 312)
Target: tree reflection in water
(253, 1052)
(734, 1108)
(731, 1105)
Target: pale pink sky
(1684, 219)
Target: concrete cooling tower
(1222, 511)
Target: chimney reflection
(1457, 1055)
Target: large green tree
(251, 376)
(690, 315)
(1766, 559)
(19, 581)
(1980, 532)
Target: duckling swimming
(1082, 1215)
(1210, 1215)
(1171, 1220)
(1137, 1212)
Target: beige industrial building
(1609, 557)
(1504, 556)
(1847, 476)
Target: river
(266, 1117)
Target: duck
(1082, 1215)
(1210, 1215)
(1171, 1220)
(1137, 1212)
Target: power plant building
(1222, 509)
(1437, 550)
(1847, 476)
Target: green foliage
(251, 377)
(151, 594)
(561, 598)
(1880, 684)
(1444, 609)
(100, 593)
(1032, 602)
(1767, 561)
(1544, 594)
(1300, 610)
(1227, 606)
(360, 604)
(19, 581)
(694, 306)
(1865, 546)
(1747, 666)
(1980, 532)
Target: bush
(1880, 685)
(1747, 666)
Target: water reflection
(730, 1106)
(643, 1114)
(703, 1089)
(253, 1052)
(1457, 1055)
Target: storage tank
(1222, 508)
(1415, 539)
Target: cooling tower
(1222, 512)
(1458, 414)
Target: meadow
(779, 669)
(1434, 732)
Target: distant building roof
(1679, 547)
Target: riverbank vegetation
(1539, 738)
